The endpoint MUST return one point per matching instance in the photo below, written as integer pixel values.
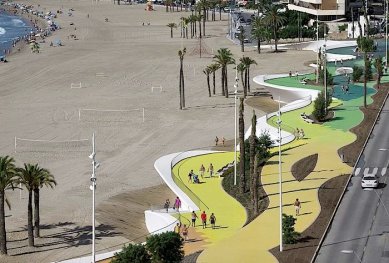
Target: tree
(242, 69)
(224, 58)
(181, 54)
(289, 235)
(214, 67)
(165, 247)
(171, 26)
(7, 181)
(319, 108)
(241, 38)
(132, 253)
(248, 62)
(259, 31)
(357, 73)
(208, 71)
(44, 178)
(28, 176)
(366, 45)
(378, 66)
(253, 145)
(273, 18)
(329, 77)
(242, 182)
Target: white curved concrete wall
(157, 222)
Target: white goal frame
(157, 87)
(76, 85)
(97, 110)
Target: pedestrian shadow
(284, 205)
(303, 214)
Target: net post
(79, 114)
(143, 114)
(15, 144)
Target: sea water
(11, 27)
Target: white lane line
(357, 171)
(383, 171)
(382, 149)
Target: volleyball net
(29, 145)
(95, 115)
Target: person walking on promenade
(167, 205)
(302, 134)
(194, 217)
(212, 220)
(297, 133)
(210, 170)
(177, 204)
(177, 228)
(185, 231)
(297, 206)
(216, 141)
(190, 175)
(202, 171)
(297, 75)
(223, 140)
(204, 219)
(290, 73)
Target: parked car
(369, 181)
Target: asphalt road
(361, 224)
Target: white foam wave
(17, 22)
(2, 31)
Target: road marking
(367, 171)
(383, 171)
(357, 171)
(382, 149)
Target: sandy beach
(117, 62)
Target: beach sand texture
(37, 102)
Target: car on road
(369, 181)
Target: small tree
(329, 77)
(171, 26)
(132, 253)
(165, 247)
(289, 235)
(319, 108)
(357, 73)
(378, 66)
(368, 71)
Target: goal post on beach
(156, 87)
(31, 145)
(76, 85)
(112, 115)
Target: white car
(369, 181)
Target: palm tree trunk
(226, 82)
(259, 46)
(246, 81)
(252, 150)
(220, 13)
(180, 88)
(242, 182)
(36, 213)
(275, 38)
(29, 218)
(204, 17)
(255, 183)
(222, 81)
(186, 29)
(167, 7)
(214, 86)
(3, 235)
(183, 84)
(209, 86)
(171, 32)
(243, 85)
(200, 27)
(365, 81)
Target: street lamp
(351, 252)
(280, 168)
(317, 46)
(325, 72)
(235, 97)
(95, 165)
(386, 35)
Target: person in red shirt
(204, 219)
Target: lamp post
(235, 97)
(351, 252)
(95, 165)
(386, 35)
(317, 46)
(325, 72)
(280, 168)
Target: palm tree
(28, 176)
(203, 5)
(181, 54)
(208, 71)
(248, 62)
(241, 38)
(253, 141)
(379, 68)
(258, 31)
(242, 148)
(44, 178)
(167, 4)
(274, 19)
(242, 69)
(224, 58)
(7, 181)
(171, 26)
(214, 67)
(365, 44)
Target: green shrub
(289, 235)
(165, 247)
(357, 73)
(132, 253)
(342, 27)
(319, 109)
(330, 78)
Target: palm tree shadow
(213, 106)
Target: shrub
(342, 27)
(319, 109)
(165, 247)
(289, 235)
(357, 73)
(132, 253)
(330, 78)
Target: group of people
(203, 216)
(299, 133)
(223, 140)
(176, 205)
(194, 178)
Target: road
(361, 224)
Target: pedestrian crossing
(372, 171)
